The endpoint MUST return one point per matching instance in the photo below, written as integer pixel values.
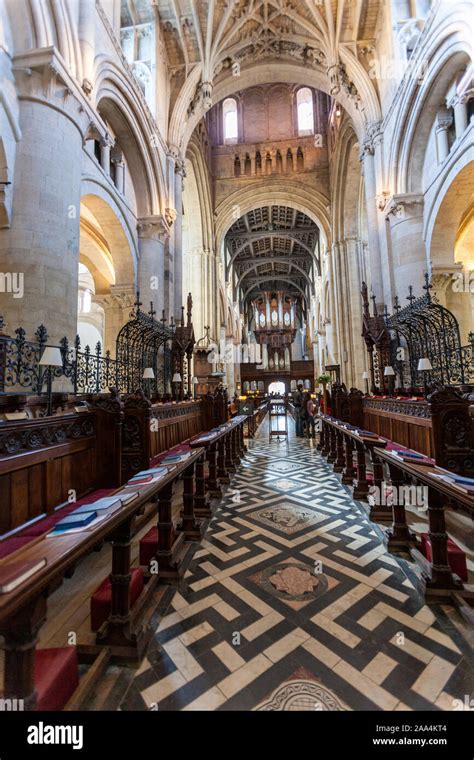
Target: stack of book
(412, 457)
(365, 433)
(466, 485)
(76, 523)
(176, 458)
(146, 477)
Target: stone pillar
(106, 144)
(180, 173)
(41, 246)
(443, 121)
(405, 214)
(367, 157)
(86, 33)
(253, 164)
(460, 115)
(117, 307)
(119, 175)
(153, 233)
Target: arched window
(304, 105)
(229, 117)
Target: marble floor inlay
(292, 602)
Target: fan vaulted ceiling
(205, 40)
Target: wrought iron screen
(425, 328)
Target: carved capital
(157, 227)
(404, 206)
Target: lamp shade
(424, 365)
(388, 371)
(176, 378)
(195, 381)
(51, 357)
(365, 375)
(148, 373)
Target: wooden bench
(441, 585)
(224, 448)
(440, 426)
(122, 637)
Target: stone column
(106, 144)
(405, 214)
(460, 115)
(117, 307)
(119, 175)
(367, 156)
(41, 247)
(180, 174)
(153, 233)
(443, 121)
(86, 33)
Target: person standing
(298, 404)
(311, 410)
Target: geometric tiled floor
(292, 602)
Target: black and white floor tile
(292, 602)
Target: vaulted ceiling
(201, 30)
(273, 248)
(209, 43)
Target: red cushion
(48, 523)
(56, 677)
(12, 544)
(456, 556)
(149, 545)
(102, 598)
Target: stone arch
(118, 104)
(450, 244)
(118, 229)
(278, 192)
(454, 201)
(447, 50)
(182, 125)
(108, 252)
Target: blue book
(460, 478)
(99, 506)
(176, 457)
(154, 471)
(75, 521)
(409, 453)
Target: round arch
(274, 192)
(119, 105)
(446, 50)
(182, 127)
(123, 255)
(453, 201)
